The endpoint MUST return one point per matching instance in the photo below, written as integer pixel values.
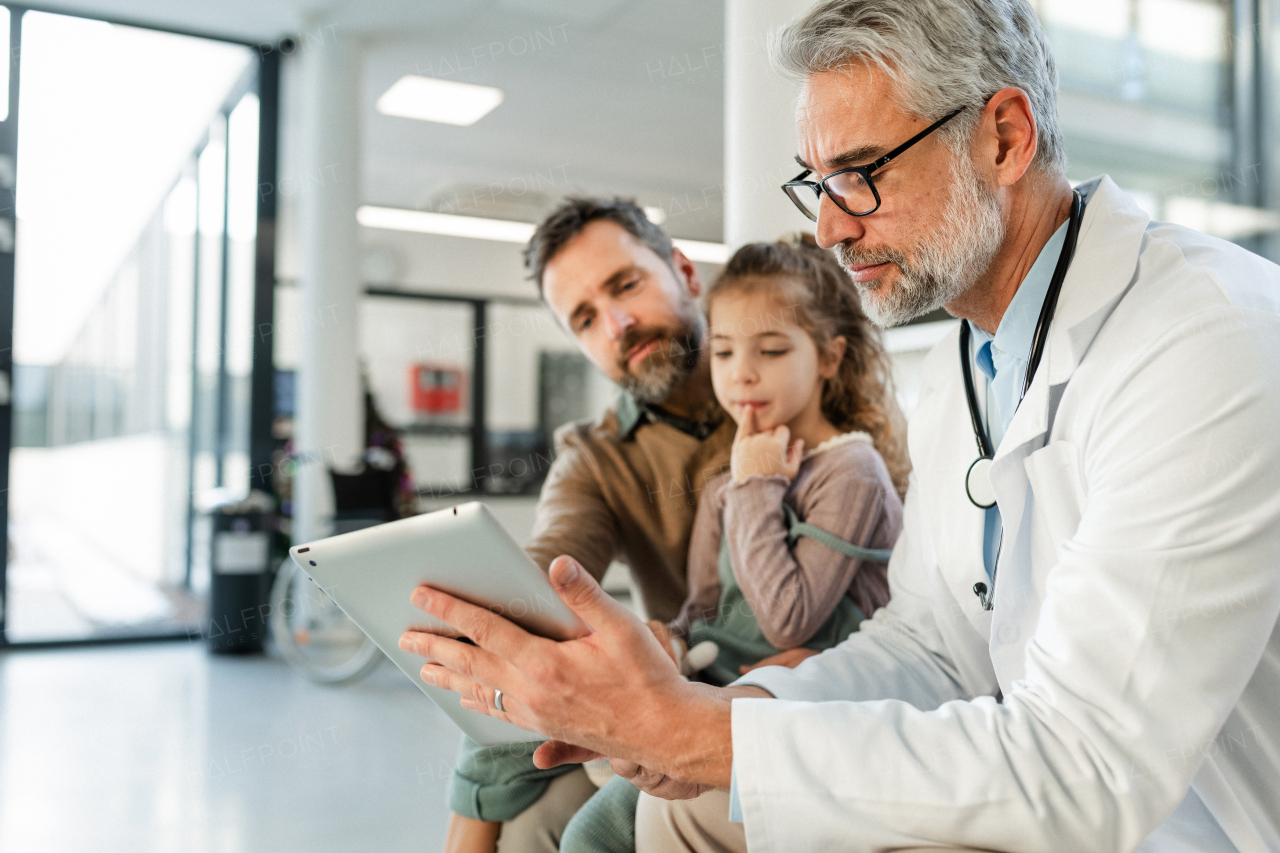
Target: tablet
(462, 550)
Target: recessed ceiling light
(444, 101)
(501, 230)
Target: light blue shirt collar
(1003, 357)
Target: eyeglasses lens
(853, 191)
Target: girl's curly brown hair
(809, 279)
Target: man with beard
(626, 485)
(1081, 650)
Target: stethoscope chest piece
(977, 483)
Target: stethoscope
(977, 481)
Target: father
(1114, 684)
(626, 485)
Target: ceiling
(601, 96)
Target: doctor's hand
(613, 692)
(769, 452)
(657, 784)
(664, 786)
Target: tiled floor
(166, 748)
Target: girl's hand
(790, 658)
(767, 453)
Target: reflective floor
(166, 748)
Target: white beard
(948, 261)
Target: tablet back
(462, 550)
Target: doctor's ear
(1007, 137)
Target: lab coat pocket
(1057, 492)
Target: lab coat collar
(1105, 261)
(1103, 267)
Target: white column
(329, 412)
(759, 125)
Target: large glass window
(137, 177)
(1150, 96)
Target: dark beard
(662, 371)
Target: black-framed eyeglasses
(851, 189)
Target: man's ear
(682, 265)
(1009, 135)
(832, 355)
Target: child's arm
(793, 590)
(701, 569)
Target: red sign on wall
(436, 389)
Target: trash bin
(240, 571)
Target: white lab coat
(1134, 636)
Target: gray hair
(942, 54)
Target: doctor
(1091, 662)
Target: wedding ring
(497, 700)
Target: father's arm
(572, 516)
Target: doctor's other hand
(791, 658)
(655, 783)
(769, 453)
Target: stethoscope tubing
(1040, 337)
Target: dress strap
(797, 528)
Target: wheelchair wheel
(313, 633)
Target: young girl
(788, 550)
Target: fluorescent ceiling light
(444, 101)
(446, 224)
(501, 230)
